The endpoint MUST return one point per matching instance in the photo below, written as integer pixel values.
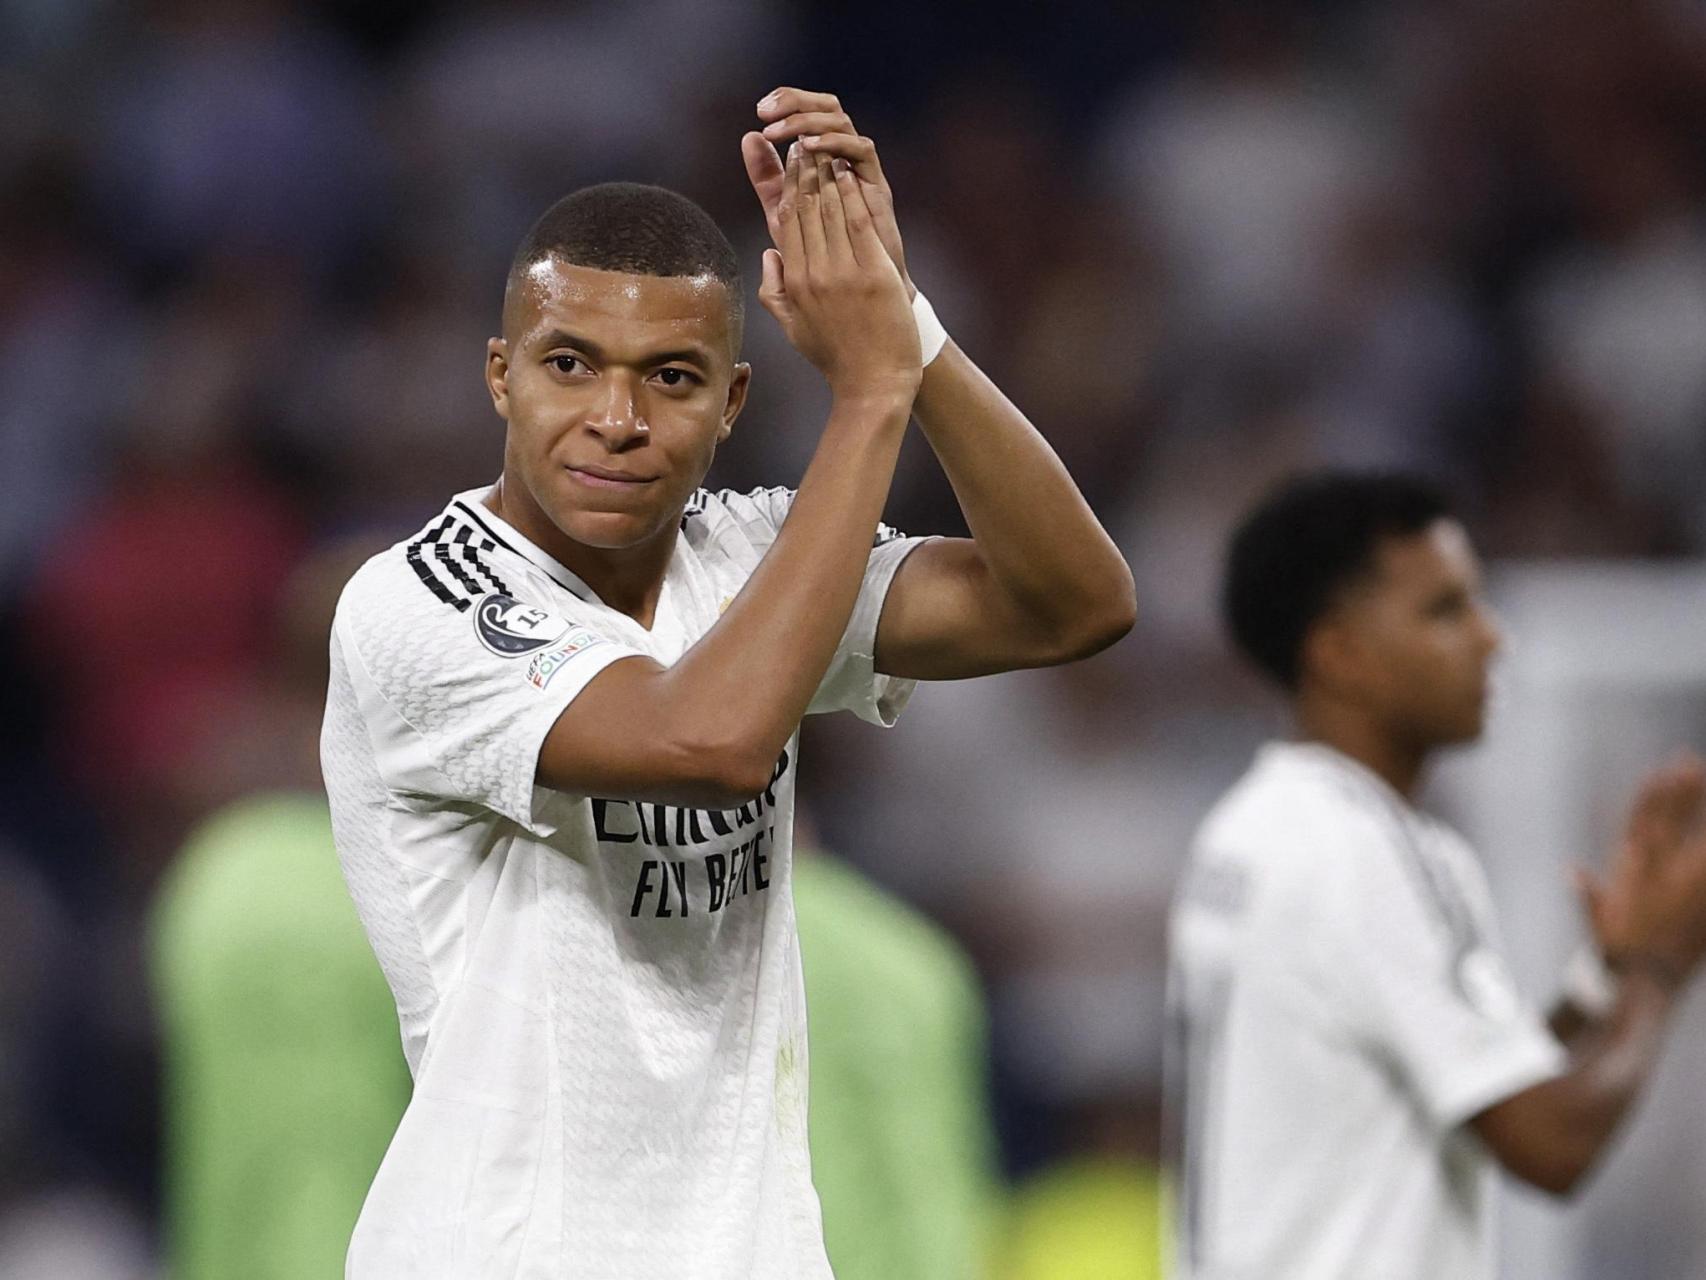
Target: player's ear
(739, 382)
(497, 375)
(1330, 656)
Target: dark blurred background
(250, 252)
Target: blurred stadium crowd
(250, 253)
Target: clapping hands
(835, 279)
(1649, 909)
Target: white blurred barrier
(1604, 676)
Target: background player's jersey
(600, 1000)
(1340, 1009)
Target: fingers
(772, 288)
(1648, 815)
(763, 165)
(764, 172)
(1688, 793)
(857, 150)
(790, 113)
(835, 282)
(1592, 895)
(861, 230)
(787, 229)
(781, 103)
(1669, 804)
(816, 122)
(823, 210)
(809, 122)
(805, 172)
(839, 247)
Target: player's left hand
(819, 125)
(1653, 902)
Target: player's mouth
(607, 479)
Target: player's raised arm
(1649, 921)
(1039, 581)
(707, 730)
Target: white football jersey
(600, 1000)
(1340, 1009)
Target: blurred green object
(903, 1153)
(284, 1071)
(1091, 1218)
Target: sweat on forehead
(555, 296)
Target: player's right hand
(832, 285)
(1651, 907)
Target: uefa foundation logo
(543, 666)
(512, 629)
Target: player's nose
(617, 419)
(1492, 635)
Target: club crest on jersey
(510, 628)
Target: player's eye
(673, 377)
(565, 363)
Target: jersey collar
(471, 506)
(1358, 772)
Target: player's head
(1363, 589)
(634, 229)
(618, 360)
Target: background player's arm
(708, 730)
(1551, 1134)
(1039, 581)
(1649, 920)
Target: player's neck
(628, 579)
(1353, 733)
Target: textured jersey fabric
(600, 1000)
(1342, 1010)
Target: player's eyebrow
(693, 353)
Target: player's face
(1421, 638)
(617, 389)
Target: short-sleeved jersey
(1340, 1009)
(600, 1000)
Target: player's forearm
(745, 686)
(1552, 1134)
(1045, 550)
(1608, 1068)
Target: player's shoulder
(1284, 850)
(729, 527)
(755, 516)
(1294, 811)
(400, 586)
(434, 581)
(758, 513)
(380, 587)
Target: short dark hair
(1302, 545)
(629, 226)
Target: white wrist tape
(1588, 984)
(932, 337)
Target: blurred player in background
(902, 1141)
(1353, 1051)
(283, 1083)
(560, 735)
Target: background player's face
(1417, 639)
(617, 389)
